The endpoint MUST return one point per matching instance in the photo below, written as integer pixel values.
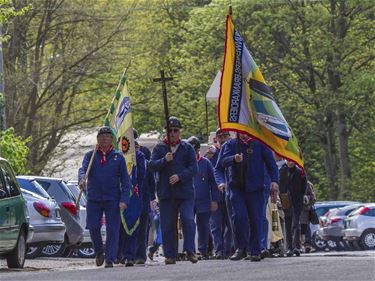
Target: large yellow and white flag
(246, 103)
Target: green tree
(15, 150)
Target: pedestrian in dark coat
(108, 190)
(206, 197)
(246, 160)
(175, 170)
(293, 182)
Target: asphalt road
(316, 266)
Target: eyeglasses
(174, 130)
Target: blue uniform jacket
(184, 165)
(254, 164)
(108, 182)
(221, 174)
(148, 183)
(205, 186)
(141, 171)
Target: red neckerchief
(247, 141)
(198, 156)
(165, 140)
(136, 190)
(103, 158)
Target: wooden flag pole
(116, 96)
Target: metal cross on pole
(164, 79)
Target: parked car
(14, 219)
(45, 218)
(57, 189)
(332, 225)
(86, 249)
(360, 227)
(322, 208)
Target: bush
(15, 150)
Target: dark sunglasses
(174, 130)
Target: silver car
(86, 249)
(332, 225)
(360, 227)
(45, 223)
(57, 189)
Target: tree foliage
(15, 150)
(64, 59)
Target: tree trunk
(330, 157)
(345, 175)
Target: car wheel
(33, 252)
(354, 245)
(54, 250)
(332, 245)
(86, 252)
(16, 258)
(318, 244)
(368, 239)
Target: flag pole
(116, 96)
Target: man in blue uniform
(245, 160)
(108, 189)
(175, 170)
(220, 222)
(206, 197)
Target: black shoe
(108, 264)
(191, 257)
(99, 259)
(265, 254)
(140, 261)
(297, 252)
(205, 257)
(219, 256)
(289, 253)
(247, 258)
(170, 261)
(129, 263)
(307, 249)
(255, 258)
(238, 255)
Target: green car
(14, 221)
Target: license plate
(57, 213)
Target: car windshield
(75, 190)
(33, 186)
(39, 188)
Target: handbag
(313, 216)
(285, 201)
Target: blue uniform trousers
(111, 210)
(248, 216)
(228, 204)
(186, 210)
(140, 253)
(264, 240)
(219, 220)
(128, 244)
(203, 226)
